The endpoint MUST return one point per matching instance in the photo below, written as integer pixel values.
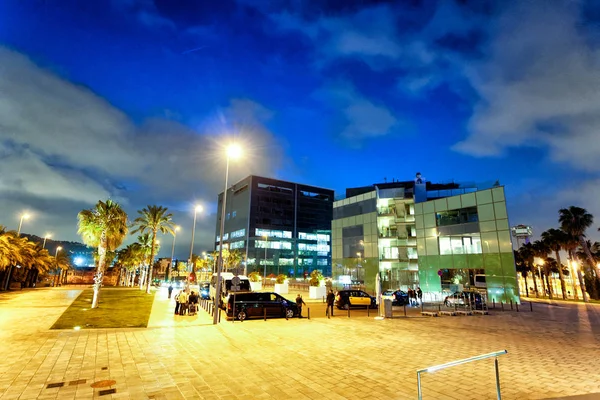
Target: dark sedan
(398, 297)
(259, 304)
(464, 299)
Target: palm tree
(541, 251)
(522, 268)
(527, 254)
(62, 263)
(570, 246)
(153, 219)
(576, 220)
(103, 227)
(143, 247)
(555, 240)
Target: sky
(134, 100)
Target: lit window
(233, 214)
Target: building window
(273, 244)
(227, 217)
(233, 214)
(455, 217)
(273, 233)
(238, 233)
(237, 245)
(459, 245)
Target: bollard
(531, 306)
(439, 307)
(286, 317)
(502, 305)
(265, 310)
(323, 299)
(348, 312)
(219, 311)
(368, 309)
(405, 310)
(421, 305)
(308, 308)
(517, 305)
(511, 307)
(494, 303)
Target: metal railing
(436, 368)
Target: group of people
(415, 297)
(186, 303)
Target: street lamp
(357, 264)
(45, 238)
(173, 250)
(197, 209)
(540, 261)
(24, 216)
(233, 152)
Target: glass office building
(441, 237)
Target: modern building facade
(417, 233)
(278, 226)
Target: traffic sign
(235, 288)
(440, 272)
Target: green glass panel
(446, 262)
(460, 261)
(475, 261)
(421, 246)
(418, 208)
(429, 220)
(498, 194)
(419, 224)
(440, 205)
(502, 224)
(489, 242)
(486, 212)
(504, 243)
(500, 210)
(454, 203)
(468, 200)
(484, 197)
(487, 226)
(431, 246)
(429, 280)
(420, 233)
(428, 207)
(432, 232)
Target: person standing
(183, 302)
(330, 301)
(177, 303)
(419, 295)
(299, 304)
(170, 290)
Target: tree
(555, 240)
(576, 220)
(522, 268)
(527, 253)
(541, 251)
(153, 219)
(62, 263)
(103, 227)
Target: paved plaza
(552, 353)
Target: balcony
(407, 242)
(386, 212)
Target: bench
(464, 313)
(429, 313)
(481, 312)
(450, 313)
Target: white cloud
(540, 87)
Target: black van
(254, 304)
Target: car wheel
(289, 313)
(241, 315)
(347, 306)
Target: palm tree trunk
(550, 294)
(543, 283)
(580, 278)
(526, 286)
(561, 276)
(100, 271)
(534, 283)
(589, 256)
(151, 263)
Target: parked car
(354, 298)
(398, 297)
(255, 304)
(465, 298)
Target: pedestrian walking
(299, 304)
(420, 295)
(170, 290)
(193, 301)
(330, 301)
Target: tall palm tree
(153, 219)
(527, 253)
(570, 245)
(541, 251)
(576, 220)
(555, 240)
(103, 227)
(522, 268)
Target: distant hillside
(81, 255)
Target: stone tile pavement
(552, 353)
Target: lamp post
(172, 251)
(45, 238)
(539, 261)
(24, 216)
(357, 264)
(197, 209)
(233, 152)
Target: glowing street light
(24, 216)
(58, 274)
(233, 152)
(177, 228)
(45, 238)
(197, 209)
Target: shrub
(315, 278)
(254, 276)
(281, 278)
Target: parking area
(552, 353)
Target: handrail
(460, 362)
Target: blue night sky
(132, 99)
